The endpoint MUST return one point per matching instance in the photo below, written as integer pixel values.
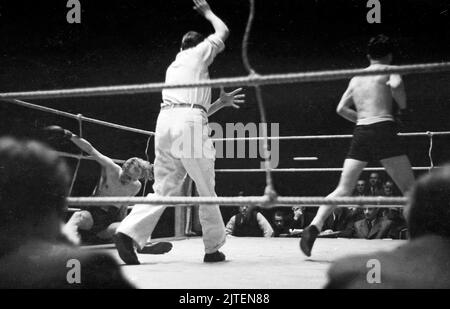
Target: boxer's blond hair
(145, 167)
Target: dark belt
(184, 105)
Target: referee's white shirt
(191, 65)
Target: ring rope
(71, 209)
(265, 201)
(309, 137)
(269, 190)
(147, 157)
(309, 170)
(73, 116)
(256, 170)
(75, 174)
(305, 158)
(251, 80)
(430, 150)
(74, 156)
(150, 133)
(245, 39)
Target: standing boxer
(375, 135)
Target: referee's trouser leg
(201, 170)
(169, 174)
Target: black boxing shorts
(103, 217)
(375, 142)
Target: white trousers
(182, 145)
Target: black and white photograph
(225, 150)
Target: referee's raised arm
(220, 28)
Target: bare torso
(110, 185)
(372, 95)
(115, 188)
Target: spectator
(249, 223)
(423, 261)
(34, 184)
(300, 219)
(389, 188)
(353, 214)
(398, 228)
(361, 188)
(375, 185)
(343, 221)
(280, 224)
(373, 226)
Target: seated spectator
(300, 219)
(375, 185)
(361, 188)
(398, 228)
(373, 226)
(280, 225)
(389, 188)
(249, 223)
(34, 183)
(343, 221)
(422, 262)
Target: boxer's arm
(398, 90)
(344, 107)
(90, 150)
(220, 28)
(59, 133)
(227, 99)
(399, 96)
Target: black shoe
(309, 236)
(156, 248)
(214, 257)
(125, 247)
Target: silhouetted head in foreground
(428, 211)
(34, 183)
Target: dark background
(128, 42)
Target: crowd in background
(348, 222)
(351, 222)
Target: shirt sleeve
(264, 225)
(230, 226)
(210, 48)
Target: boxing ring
(251, 262)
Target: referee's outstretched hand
(202, 7)
(232, 98)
